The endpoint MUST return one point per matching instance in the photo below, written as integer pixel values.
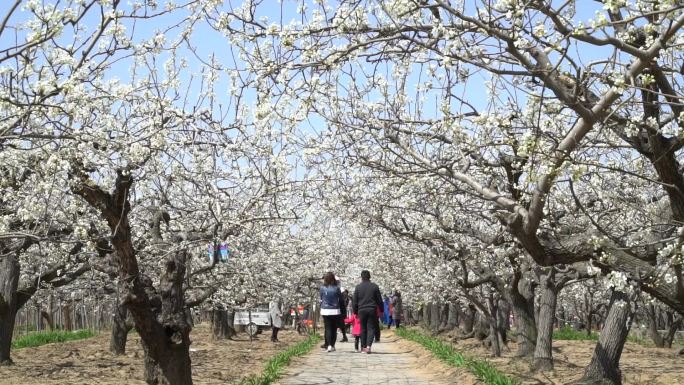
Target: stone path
(388, 364)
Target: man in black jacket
(366, 300)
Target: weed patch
(275, 366)
(41, 338)
(481, 369)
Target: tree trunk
(452, 319)
(543, 356)
(653, 326)
(68, 319)
(604, 367)
(9, 281)
(444, 317)
(166, 338)
(407, 316)
(434, 316)
(494, 337)
(122, 323)
(502, 322)
(523, 310)
(469, 319)
(222, 324)
(672, 330)
(48, 318)
(159, 314)
(562, 323)
(425, 319)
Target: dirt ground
(428, 362)
(89, 361)
(640, 365)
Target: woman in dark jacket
(344, 298)
(330, 309)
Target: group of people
(366, 308)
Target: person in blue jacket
(330, 308)
(386, 313)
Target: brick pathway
(388, 364)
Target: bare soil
(89, 361)
(640, 365)
(427, 362)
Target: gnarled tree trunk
(444, 317)
(562, 323)
(494, 336)
(653, 326)
(122, 323)
(604, 367)
(454, 312)
(425, 317)
(672, 330)
(167, 343)
(522, 304)
(9, 281)
(543, 356)
(222, 324)
(159, 315)
(434, 316)
(468, 319)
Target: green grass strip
(568, 333)
(483, 370)
(41, 338)
(275, 366)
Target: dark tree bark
(67, 310)
(522, 304)
(562, 323)
(434, 316)
(408, 316)
(672, 330)
(425, 318)
(167, 348)
(122, 323)
(653, 326)
(444, 317)
(469, 319)
(589, 313)
(47, 316)
(9, 281)
(454, 312)
(543, 355)
(159, 315)
(494, 335)
(503, 316)
(13, 298)
(604, 367)
(222, 324)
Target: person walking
(366, 300)
(378, 315)
(276, 317)
(341, 317)
(356, 329)
(397, 308)
(330, 309)
(387, 313)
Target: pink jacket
(356, 324)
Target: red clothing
(356, 324)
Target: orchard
(511, 167)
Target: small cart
(255, 319)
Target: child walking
(355, 321)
